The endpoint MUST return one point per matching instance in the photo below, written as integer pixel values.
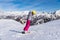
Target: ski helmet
(34, 12)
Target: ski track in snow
(45, 31)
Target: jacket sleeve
(29, 17)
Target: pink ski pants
(27, 25)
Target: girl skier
(29, 17)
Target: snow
(13, 12)
(45, 31)
(58, 12)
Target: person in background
(29, 18)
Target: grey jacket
(29, 17)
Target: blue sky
(22, 5)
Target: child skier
(29, 17)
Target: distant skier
(29, 17)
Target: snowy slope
(46, 31)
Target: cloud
(25, 4)
(29, 7)
(15, 5)
(7, 5)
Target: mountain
(58, 13)
(13, 12)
